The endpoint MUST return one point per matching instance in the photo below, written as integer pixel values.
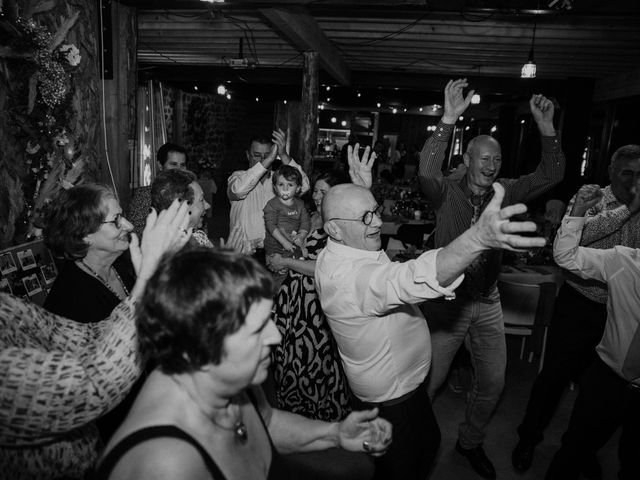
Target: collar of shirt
(350, 252)
(474, 198)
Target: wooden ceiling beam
(302, 30)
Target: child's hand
(288, 246)
(298, 238)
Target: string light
(475, 100)
(222, 90)
(359, 95)
(343, 123)
(228, 96)
(378, 104)
(257, 99)
(328, 89)
(494, 129)
(195, 87)
(334, 119)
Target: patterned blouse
(57, 377)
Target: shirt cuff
(443, 131)
(574, 223)
(426, 272)
(551, 144)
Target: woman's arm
(361, 431)
(305, 267)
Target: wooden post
(309, 111)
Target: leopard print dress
(307, 369)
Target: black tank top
(277, 469)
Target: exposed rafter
(304, 33)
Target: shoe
(478, 460)
(522, 456)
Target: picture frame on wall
(49, 273)
(32, 285)
(7, 264)
(26, 259)
(5, 286)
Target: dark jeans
(605, 402)
(416, 437)
(576, 328)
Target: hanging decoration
(41, 108)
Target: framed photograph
(7, 264)
(32, 284)
(49, 272)
(26, 259)
(5, 286)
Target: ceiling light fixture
(529, 68)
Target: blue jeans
(481, 327)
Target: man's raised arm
(432, 154)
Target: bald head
(481, 141)
(342, 201)
(344, 209)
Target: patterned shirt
(457, 207)
(609, 223)
(57, 376)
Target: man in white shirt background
(250, 190)
(609, 394)
(371, 305)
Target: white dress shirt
(619, 267)
(249, 195)
(370, 303)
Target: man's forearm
(458, 255)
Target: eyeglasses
(367, 218)
(117, 221)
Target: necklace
(106, 283)
(239, 429)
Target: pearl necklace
(106, 283)
(239, 429)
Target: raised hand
(455, 103)
(588, 196)
(266, 163)
(364, 431)
(163, 232)
(280, 141)
(495, 229)
(360, 170)
(542, 110)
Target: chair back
(527, 304)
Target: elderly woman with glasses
(87, 230)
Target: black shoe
(522, 456)
(478, 460)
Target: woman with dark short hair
(85, 227)
(205, 320)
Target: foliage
(37, 69)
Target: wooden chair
(527, 311)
